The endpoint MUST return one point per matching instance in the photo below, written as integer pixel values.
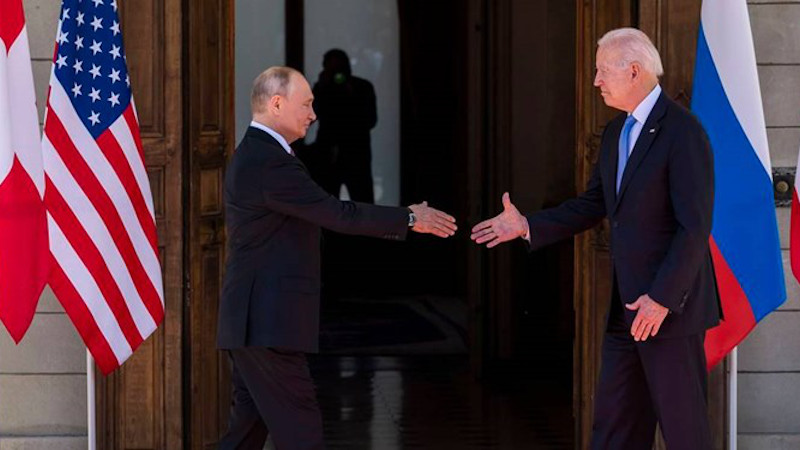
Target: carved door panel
(209, 103)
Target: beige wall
(43, 380)
(769, 360)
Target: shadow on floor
(395, 374)
(433, 402)
(413, 325)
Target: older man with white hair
(654, 181)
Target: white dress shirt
(641, 113)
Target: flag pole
(90, 404)
(733, 372)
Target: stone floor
(432, 402)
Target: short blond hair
(271, 82)
(633, 45)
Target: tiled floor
(432, 402)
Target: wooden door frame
(168, 140)
(209, 123)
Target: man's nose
(597, 80)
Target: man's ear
(636, 71)
(275, 104)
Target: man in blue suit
(654, 181)
(269, 309)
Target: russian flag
(745, 244)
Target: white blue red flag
(106, 272)
(745, 245)
(23, 224)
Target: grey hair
(633, 46)
(271, 82)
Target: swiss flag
(24, 253)
(794, 236)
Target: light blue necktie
(624, 137)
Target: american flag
(105, 268)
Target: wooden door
(673, 27)
(209, 123)
(140, 405)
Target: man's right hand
(433, 221)
(507, 225)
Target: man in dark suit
(654, 181)
(269, 309)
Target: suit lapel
(643, 143)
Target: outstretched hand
(433, 221)
(507, 225)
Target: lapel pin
(652, 130)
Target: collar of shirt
(643, 110)
(641, 113)
(274, 134)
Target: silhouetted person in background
(346, 113)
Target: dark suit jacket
(273, 213)
(660, 221)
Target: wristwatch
(412, 219)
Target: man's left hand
(649, 317)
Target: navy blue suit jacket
(273, 214)
(660, 221)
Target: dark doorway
(487, 105)
(383, 297)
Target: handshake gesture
(507, 225)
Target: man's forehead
(604, 54)
(298, 85)
(606, 57)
